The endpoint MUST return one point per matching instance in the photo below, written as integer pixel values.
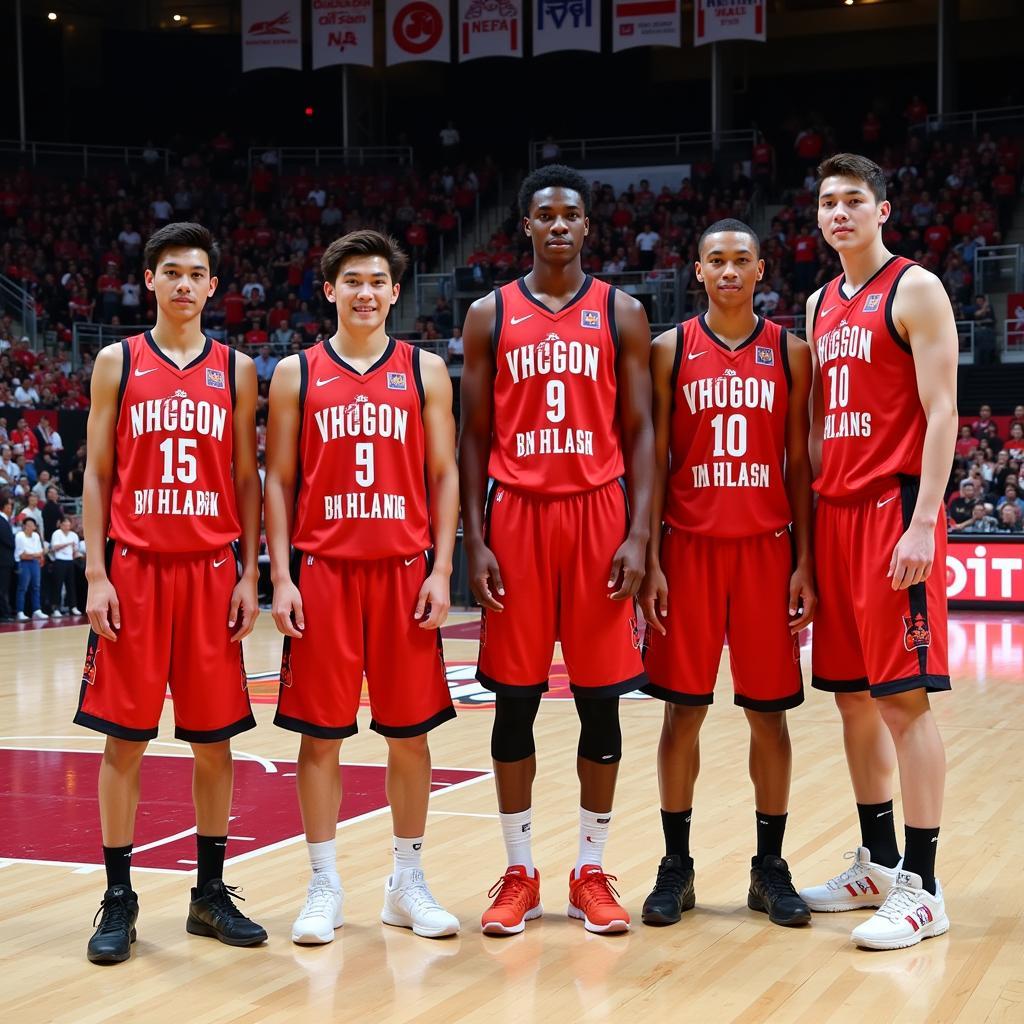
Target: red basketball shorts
(726, 587)
(359, 619)
(555, 555)
(868, 636)
(174, 632)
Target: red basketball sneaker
(516, 901)
(592, 899)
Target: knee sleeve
(600, 734)
(512, 734)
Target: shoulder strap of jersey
(784, 355)
(126, 366)
(677, 359)
(817, 306)
(610, 314)
(303, 385)
(417, 376)
(499, 316)
(231, 375)
(890, 299)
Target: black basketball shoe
(772, 892)
(214, 914)
(672, 893)
(111, 943)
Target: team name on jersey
(364, 505)
(732, 474)
(165, 501)
(362, 418)
(178, 414)
(847, 341)
(728, 392)
(552, 441)
(553, 355)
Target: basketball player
(555, 407)
(730, 430)
(883, 431)
(362, 481)
(171, 480)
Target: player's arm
(102, 606)
(924, 316)
(247, 496)
(634, 376)
(654, 591)
(282, 460)
(802, 598)
(817, 392)
(443, 478)
(478, 371)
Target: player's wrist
(96, 575)
(442, 569)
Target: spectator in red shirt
(980, 426)
(234, 307)
(805, 260)
(109, 287)
(871, 131)
(916, 112)
(938, 236)
(966, 442)
(808, 145)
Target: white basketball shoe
(322, 913)
(909, 914)
(409, 903)
(863, 884)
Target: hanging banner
(342, 32)
(566, 25)
(271, 34)
(645, 23)
(418, 30)
(716, 21)
(490, 28)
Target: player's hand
(912, 557)
(288, 603)
(803, 601)
(629, 564)
(102, 603)
(435, 594)
(485, 577)
(244, 599)
(654, 598)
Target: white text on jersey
(553, 356)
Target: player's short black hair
(181, 234)
(364, 242)
(729, 224)
(552, 176)
(859, 168)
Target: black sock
(676, 826)
(878, 833)
(210, 858)
(770, 830)
(118, 862)
(919, 855)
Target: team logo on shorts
(483, 627)
(916, 632)
(215, 379)
(286, 665)
(765, 356)
(634, 630)
(872, 302)
(396, 382)
(590, 318)
(89, 672)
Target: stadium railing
(84, 153)
(285, 157)
(98, 335)
(17, 301)
(999, 268)
(970, 122)
(628, 150)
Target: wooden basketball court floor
(721, 963)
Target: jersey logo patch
(215, 379)
(590, 318)
(764, 356)
(872, 302)
(916, 632)
(396, 382)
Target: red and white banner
(566, 25)
(716, 21)
(418, 30)
(490, 28)
(978, 569)
(645, 23)
(271, 34)
(342, 32)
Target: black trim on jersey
(158, 352)
(814, 315)
(510, 689)
(889, 300)
(529, 296)
(499, 316)
(677, 362)
(303, 391)
(859, 685)
(693, 700)
(120, 732)
(794, 700)
(231, 375)
(126, 368)
(922, 682)
(842, 281)
(417, 376)
(320, 732)
(917, 595)
(721, 344)
(610, 313)
(784, 356)
(384, 357)
(637, 682)
(216, 735)
(404, 731)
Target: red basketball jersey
(728, 437)
(362, 452)
(874, 422)
(556, 426)
(173, 487)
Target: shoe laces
(900, 901)
(777, 881)
(596, 889)
(856, 868)
(115, 914)
(320, 898)
(511, 889)
(418, 893)
(221, 902)
(670, 880)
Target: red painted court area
(58, 788)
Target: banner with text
(716, 21)
(490, 28)
(566, 25)
(271, 34)
(342, 32)
(418, 30)
(645, 23)
(983, 567)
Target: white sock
(323, 859)
(516, 831)
(408, 853)
(593, 836)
